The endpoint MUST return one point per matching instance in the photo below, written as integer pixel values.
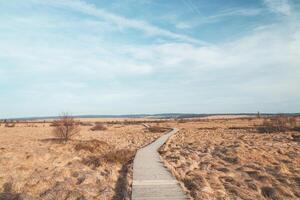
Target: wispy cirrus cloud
(81, 57)
(219, 17)
(279, 6)
(121, 21)
(282, 7)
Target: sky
(148, 56)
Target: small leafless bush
(277, 124)
(99, 127)
(65, 127)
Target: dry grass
(277, 124)
(93, 146)
(122, 156)
(214, 159)
(90, 166)
(235, 163)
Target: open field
(93, 165)
(216, 158)
(229, 159)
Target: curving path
(151, 180)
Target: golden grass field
(229, 159)
(212, 158)
(36, 166)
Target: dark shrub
(157, 129)
(92, 161)
(85, 124)
(277, 124)
(65, 127)
(296, 137)
(122, 156)
(92, 146)
(269, 193)
(10, 125)
(99, 127)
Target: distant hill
(156, 116)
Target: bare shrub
(99, 127)
(277, 124)
(65, 127)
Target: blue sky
(148, 56)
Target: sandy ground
(91, 166)
(227, 159)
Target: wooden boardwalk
(151, 180)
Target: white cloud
(264, 63)
(220, 16)
(279, 6)
(121, 21)
(273, 49)
(265, 47)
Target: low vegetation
(65, 127)
(235, 161)
(278, 124)
(157, 129)
(92, 146)
(122, 156)
(34, 165)
(9, 194)
(99, 127)
(10, 125)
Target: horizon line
(163, 115)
